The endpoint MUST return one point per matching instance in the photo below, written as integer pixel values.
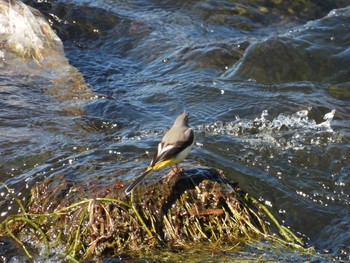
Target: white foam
(286, 131)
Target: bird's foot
(170, 175)
(177, 170)
(180, 170)
(174, 171)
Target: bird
(174, 147)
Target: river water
(266, 84)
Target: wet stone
(10, 251)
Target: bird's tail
(138, 181)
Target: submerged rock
(316, 51)
(10, 251)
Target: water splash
(286, 131)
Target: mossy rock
(25, 33)
(194, 208)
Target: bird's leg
(171, 173)
(174, 170)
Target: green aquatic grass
(173, 216)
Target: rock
(25, 33)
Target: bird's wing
(169, 151)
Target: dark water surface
(267, 87)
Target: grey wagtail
(173, 148)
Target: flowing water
(267, 86)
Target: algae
(199, 208)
